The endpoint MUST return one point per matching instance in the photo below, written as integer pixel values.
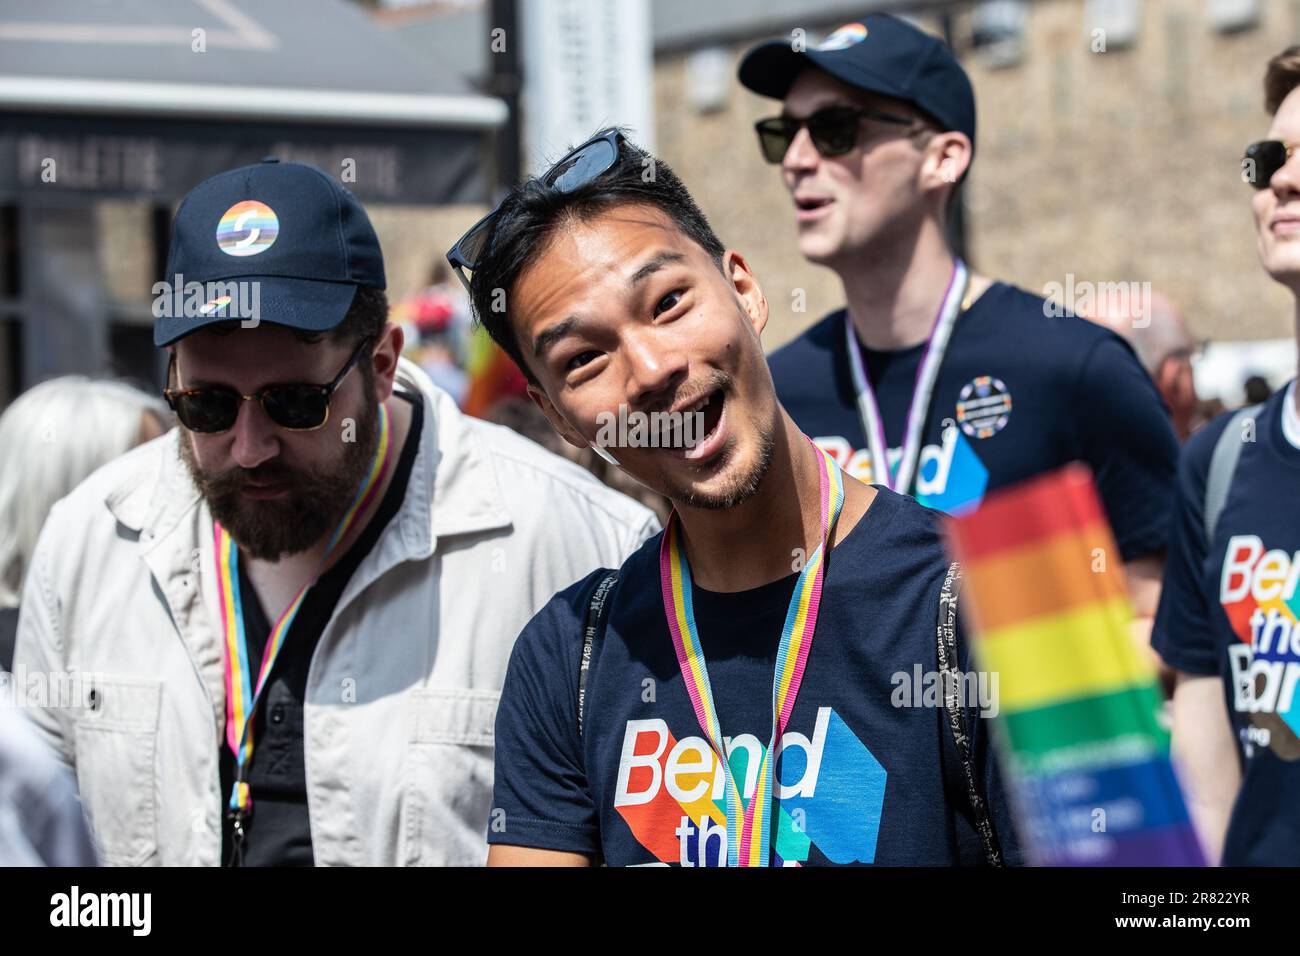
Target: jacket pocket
(116, 760)
(448, 788)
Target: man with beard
(620, 299)
(292, 614)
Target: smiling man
(295, 610)
(729, 698)
(1229, 612)
(933, 380)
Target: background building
(111, 112)
(1111, 133)
(1110, 138)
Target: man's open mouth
(699, 427)
(807, 203)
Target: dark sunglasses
(834, 130)
(1265, 158)
(577, 168)
(297, 407)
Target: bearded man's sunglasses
(576, 168)
(834, 130)
(1265, 158)
(299, 407)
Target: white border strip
(212, 101)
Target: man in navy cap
(291, 616)
(933, 380)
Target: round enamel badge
(983, 407)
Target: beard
(739, 489)
(313, 504)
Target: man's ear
(748, 291)
(1166, 372)
(558, 421)
(384, 355)
(947, 157)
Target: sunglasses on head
(297, 407)
(1264, 159)
(834, 130)
(576, 168)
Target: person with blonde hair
(54, 435)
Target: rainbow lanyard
(748, 838)
(926, 375)
(241, 698)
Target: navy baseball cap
(288, 227)
(881, 54)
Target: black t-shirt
(864, 775)
(279, 831)
(1026, 391)
(1230, 606)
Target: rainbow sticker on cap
(247, 228)
(214, 306)
(844, 37)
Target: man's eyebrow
(546, 339)
(654, 265)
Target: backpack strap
(1223, 462)
(952, 684)
(595, 612)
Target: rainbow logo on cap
(247, 228)
(844, 37)
(215, 305)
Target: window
(1117, 20)
(998, 31)
(1229, 16)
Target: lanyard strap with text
(749, 827)
(241, 694)
(926, 375)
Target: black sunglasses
(297, 407)
(577, 168)
(1264, 159)
(834, 130)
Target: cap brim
(770, 69)
(309, 305)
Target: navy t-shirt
(1025, 391)
(1229, 607)
(864, 775)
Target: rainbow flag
(1083, 751)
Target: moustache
(236, 479)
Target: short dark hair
(1282, 76)
(365, 318)
(530, 214)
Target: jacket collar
(452, 490)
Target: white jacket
(403, 686)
